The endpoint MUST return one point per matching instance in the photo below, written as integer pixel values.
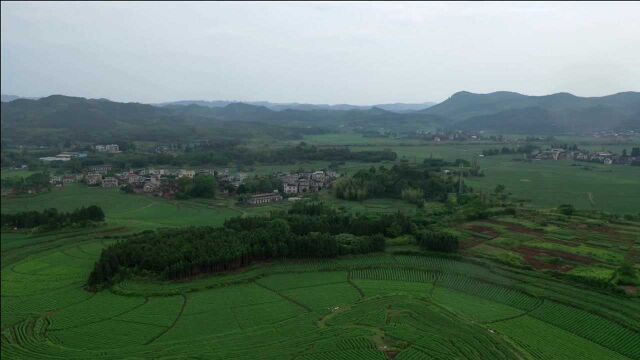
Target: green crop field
(363, 307)
(377, 306)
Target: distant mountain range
(394, 107)
(34, 121)
(7, 98)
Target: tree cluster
(411, 182)
(307, 230)
(50, 219)
(526, 149)
(201, 186)
(35, 182)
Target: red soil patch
(630, 290)
(604, 230)
(517, 228)
(469, 243)
(530, 256)
(562, 242)
(476, 240)
(483, 230)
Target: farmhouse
(186, 173)
(100, 169)
(260, 199)
(109, 182)
(55, 180)
(290, 188)
(111, 148)
(54, 158)
(93, 179)
(68, 179)
(304, 182)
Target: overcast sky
(359, 53)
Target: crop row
(395, 273)
(489, 291)
(589, 326)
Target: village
(164, 182)
(603, 157)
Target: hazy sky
(359, 53)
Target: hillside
(550, 114)
(59, 118)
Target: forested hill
(55, 119)
(551, 114)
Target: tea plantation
(362, 307)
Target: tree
(412, 195)
(204, 186)
(95, 213)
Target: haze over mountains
(394, 107)
(502, 112)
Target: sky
(357, 53)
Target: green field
(133, 211)
(6, 173)
(363, 307)
(517, 291)
(550, 183)
(543, 184)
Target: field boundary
(308, 309)
(156, 337)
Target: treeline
(283, 155)
(50, 219)
(226, 153)
(306, 230)
(525, 149)
(411, 182)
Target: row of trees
(307, 230)
(225, 153)
(438, 240)
(414, 183)
(526, 149)
(50, 219)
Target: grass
(7, 173)
(134, 211)
(551, 183)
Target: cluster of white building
(64, 156)
(604, 157)
(306, 182)
(110, 148)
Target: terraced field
(367, 307)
